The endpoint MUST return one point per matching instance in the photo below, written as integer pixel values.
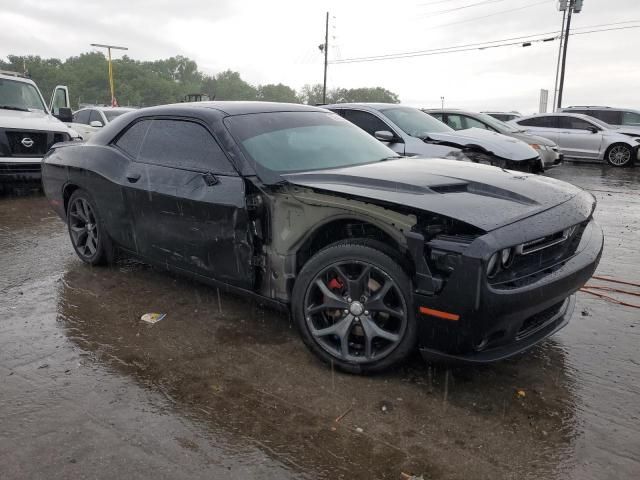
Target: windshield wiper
(11, 107)
(392, 157)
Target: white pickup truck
(27, 127)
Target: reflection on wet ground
(224, 389)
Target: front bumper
(551, 158)
(491, 322)
(17, 169)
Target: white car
(585, 138)
(89, 120)
(27, 127)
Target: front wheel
(619, 155)
(353, 306)
(86, 230)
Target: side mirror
(385, 136)
(64, 115)
(96, 123)
(593, 129)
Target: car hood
(31, 121)
(494, 143)
(626, 130)
(479, 195)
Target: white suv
(27, 127)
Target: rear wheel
(619, 155)
(352, 304)
(86, 230)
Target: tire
(619, 155)
(86, 230)
(360, 335)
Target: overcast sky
(277, 41)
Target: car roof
(246, 107)
(596, 107)
(16, 77)
(372, 106)
(559, 114)
(446, 110)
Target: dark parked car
(300, 209)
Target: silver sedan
(585, 138)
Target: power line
(478, 46)
(462, 7)
(434, 3)
(522, 37)
(490, 15)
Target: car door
(188, 202)
(579, 138)
(371, 124)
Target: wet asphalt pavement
(224, 389)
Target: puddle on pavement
(241, 375)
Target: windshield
(286, 142)
(111, 114)
(497, 124)
(415, 122)
(19, 96)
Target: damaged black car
(373, 254)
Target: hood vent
(451, 188)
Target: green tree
(277, 93)
(167, 80)
(229, 86)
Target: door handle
(133, 177)
(210, 179)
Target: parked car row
(373, 253)
(463, 120)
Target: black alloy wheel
(89, 240)
(353, 306)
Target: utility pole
(114, 102)
(555, 88)
(572, 6)
(326, 56)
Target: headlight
(506, 256)
(492, 266)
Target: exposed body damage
(301, 216)
(371, 253)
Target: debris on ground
(152, 318)
(359, 430)
(520, 393)
(407, 476)
(344, 414)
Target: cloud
(276, 41)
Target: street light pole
(572, 6)
(326, 53)
(114, 102)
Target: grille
(539, 258)
(538, 321)
(32, 144)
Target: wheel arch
(352, 227)
(67, 191)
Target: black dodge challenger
(371, 253)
